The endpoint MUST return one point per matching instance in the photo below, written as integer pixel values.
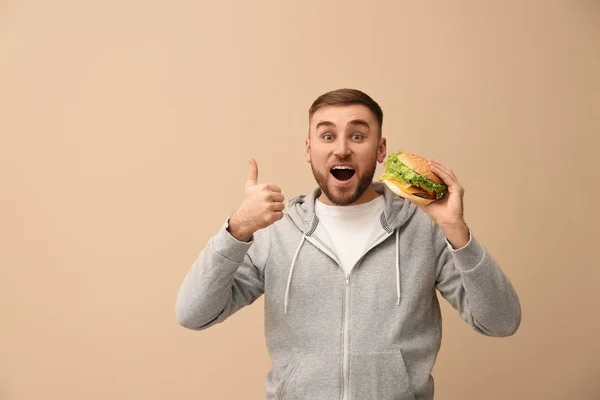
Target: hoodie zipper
(345, 328)
(345, 358)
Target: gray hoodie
(372, 334)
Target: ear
(307, 150)
(381, 151)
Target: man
(349, 272)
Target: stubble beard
(344, 196)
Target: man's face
(343, 148)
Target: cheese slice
(406, 187)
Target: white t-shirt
(346, 229)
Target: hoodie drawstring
(289, 281)
(398, 265)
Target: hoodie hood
(301, 210)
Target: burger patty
(425, 195)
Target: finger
(278, 215)
(439, 165)
(444, 175)
(443, 172)
(252, 172)
(273, 188)
(277, 206)
(448, 170)
(276, 197)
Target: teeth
(341, 167)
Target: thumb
(252, 172)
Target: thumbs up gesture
(261, 206)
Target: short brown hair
(342, 97)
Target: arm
(226, 277)
(466, 274)
(473, 283)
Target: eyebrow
(324, 123)
(360, 122)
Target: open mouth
(342, 173)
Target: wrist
(238, 229)
(453, 225)
(457, 233)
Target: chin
(342, 196)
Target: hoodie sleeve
(226, 276)
(472, 282)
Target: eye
(328, 137)
(357, 136)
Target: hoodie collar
(301, 209)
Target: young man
(350, 272)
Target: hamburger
(408, 175)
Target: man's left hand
(448, 212)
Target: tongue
(342, 174)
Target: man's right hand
(262, 205)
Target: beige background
(126, 126)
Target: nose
(342, 149)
